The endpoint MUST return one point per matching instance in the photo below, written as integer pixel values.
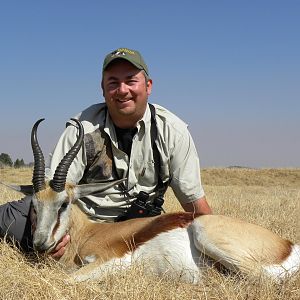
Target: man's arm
(199, 206)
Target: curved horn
(38, 178)
(60, 175)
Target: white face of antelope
(51, 213)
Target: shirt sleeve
(185, 169)
(66, 141)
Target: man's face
(126, 92)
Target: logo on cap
(122, 52)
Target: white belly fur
(172, 254)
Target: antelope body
(178, 244)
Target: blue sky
(230, 69)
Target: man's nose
(122, 89)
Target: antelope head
(51, 201)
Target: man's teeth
(124, 100)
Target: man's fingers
(60, 249)
(65, 240)
(58, 254)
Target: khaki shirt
(179, 160)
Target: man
(125, 137)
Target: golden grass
(267, 197)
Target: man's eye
(131, 82)
(112, 84)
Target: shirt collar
(146, 119)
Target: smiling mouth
(123, 100)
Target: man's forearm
(199, 206)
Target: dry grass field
(269, 197)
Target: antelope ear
(27, 190)
(91, 188)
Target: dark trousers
(15, 223)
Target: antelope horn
(38, 177)
(59, 179)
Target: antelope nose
(41, 245)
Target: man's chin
(127, 110)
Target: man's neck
(124, 124)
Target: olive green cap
(130, 55)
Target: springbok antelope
(177, 244)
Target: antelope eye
(63, 206)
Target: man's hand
(60, 249)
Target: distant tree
(6, 160)
(19, 163)
(22, 163)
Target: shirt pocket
(147, 175)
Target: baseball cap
(133, 56)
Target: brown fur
(70, 190)
(111, 240)
(46, 195)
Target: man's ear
(27, 190)
(102, 87)
(149, 86)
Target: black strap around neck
(161, 186)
